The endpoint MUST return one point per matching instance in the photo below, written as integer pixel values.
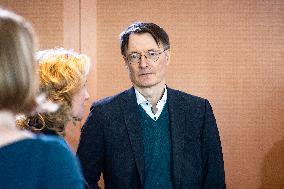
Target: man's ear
(168, 56)
(125, 63)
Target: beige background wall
(231, 52)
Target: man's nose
(143, 61)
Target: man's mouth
(142, 74)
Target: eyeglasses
(151, 55)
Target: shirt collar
(141, 99)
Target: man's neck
(152, 94)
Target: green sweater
(157, 150)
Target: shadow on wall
(272, 172)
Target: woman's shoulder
(43, 155)
(40, 144)
(51, 140)
(52, 145)
(64, 161)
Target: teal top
(39, 162)
(157, 149)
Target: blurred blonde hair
(62, 73)
(18, 80)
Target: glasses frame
(144, 54)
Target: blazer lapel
(178, 111)
(130, 112)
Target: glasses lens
(152, 56)
(134, 58)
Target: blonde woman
(27, 160)
(63, 78)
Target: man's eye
(152, 53)
(134, 56)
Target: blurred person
(63, 79)
(151, 136)
(27, 160)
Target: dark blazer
(111, 142)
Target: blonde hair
(62, 73)
(18, 78)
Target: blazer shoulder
(110, 101)
(186, 97)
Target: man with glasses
(151, 136)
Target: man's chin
(146, 85)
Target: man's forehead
(141, 41)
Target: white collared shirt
(147, 106)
